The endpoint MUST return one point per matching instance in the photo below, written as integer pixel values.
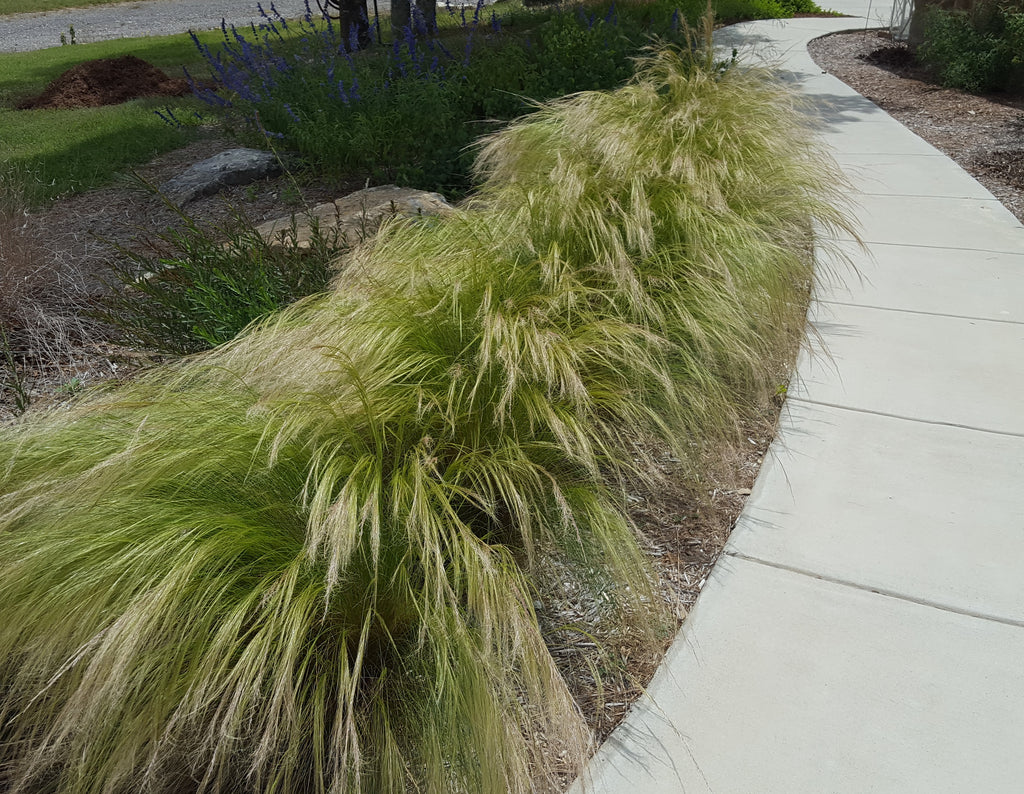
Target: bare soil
(983, 134)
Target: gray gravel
(21, 32)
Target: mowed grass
(51, 162)
(30, 6)
(59, 151)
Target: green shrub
(192, 288)
(406, 112)
(977, 51)
(305, 560)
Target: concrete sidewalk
(864, 631)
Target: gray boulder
(231, 167)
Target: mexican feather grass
(306, 561)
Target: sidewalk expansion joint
(922, 195)
(1002, 251)
(971, 317)
(919, 420)
(880, 591)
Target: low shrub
(192, 287)
(980, 50)
(304, 561)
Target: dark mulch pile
(896, 58)
(107, 81)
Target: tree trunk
(425, 17)
(354, 22)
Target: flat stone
(231, 167)
(355, 216)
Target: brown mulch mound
(1006, 165)
(107, 81)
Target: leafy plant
(192, 288)
(405, 113)
(978, 51)
(14, 377)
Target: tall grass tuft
(686, 198)
(307, 560)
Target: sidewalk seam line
(931, 247)
(918, 311)
(935, 422)
(882, 591)
(922, 195)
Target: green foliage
(306, 560)
(19, 289)
(800, 7)
(407, 113)
(978, 51)
(192, 288)
(14, 378)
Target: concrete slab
(920, 366)
(916, 509)
(951, 281)
(939, 222)
(786, 683)
(774, 39)
(831, 110)
(885, 136)
(910, 175)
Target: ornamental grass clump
(687, 197)
(307, 561)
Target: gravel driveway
(21, 32)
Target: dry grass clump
(40, 325)
(22, 281)
(306, 561)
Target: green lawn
(27, 6)
(26, 73)
(57, 151)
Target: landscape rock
(231, 167)
(355, 216)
